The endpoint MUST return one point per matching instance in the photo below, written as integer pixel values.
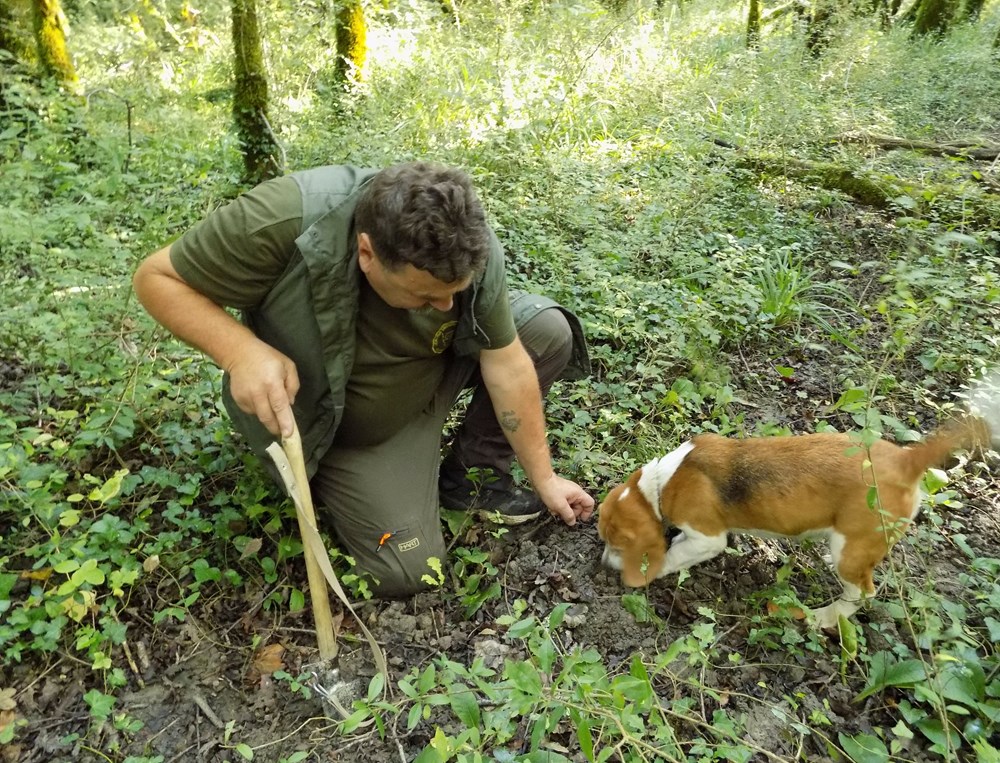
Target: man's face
(407, 287)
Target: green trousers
(381, 500)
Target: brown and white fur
(795, 487)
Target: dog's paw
(828, 618)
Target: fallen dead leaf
(796, 612)
(267, 660)
(9, 753)
(80, 604)
(338, 623)
(251, 548)
(7, 701)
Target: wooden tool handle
(297, 483)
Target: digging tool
(292, 467)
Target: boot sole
(508, 520)
(490, 515)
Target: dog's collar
(656, 500)
(657, 473)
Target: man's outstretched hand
(566, 500)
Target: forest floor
(204, 685)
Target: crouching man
(370, 300)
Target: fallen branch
(972, 211)
(965, 149)
(800, 7)
(874, 192)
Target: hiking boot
(505, 504)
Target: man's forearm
(517, 401)
(187, 314)
(263, 381)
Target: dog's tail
(965, 432)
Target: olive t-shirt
(235, 255)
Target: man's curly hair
(427, 215)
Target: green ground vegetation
(609, 149)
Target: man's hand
(566, 499)
(264, 382)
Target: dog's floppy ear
(642, 560)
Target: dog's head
(634, 542)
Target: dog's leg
(692, 548)
(827, 617)
(854, 562)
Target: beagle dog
(824, 485)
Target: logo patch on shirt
(442, 339)
(409, 545)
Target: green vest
(309, 314)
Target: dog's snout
(611, 558)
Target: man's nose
(443, 304)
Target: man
(370, 300)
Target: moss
(250, 96)
(15, 30)
(50, 35)
(831, 176)
(934, 17)
(352, 40)
(753, 25)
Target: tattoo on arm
(509, 421)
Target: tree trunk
(933, 17)
(753, 25)
(448, 6)
(977, 211)
(352, 41)
(800, 8)
(50, 34)
(15, 30)
(261, 151)
(883, 10)
(972, 9)
(979, 150)
(820, 27)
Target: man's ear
(366, 254)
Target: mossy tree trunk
(448, 6)
(884, 10)
(352, 40)
(261, 152)
(972, 9)
(753, 25)
(50, 35)
(15, 29)
(820, 28)
(933, 17)
(977, 211)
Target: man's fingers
(264, 410)
(291, 382)
(567, 500)
(264, 383)
(583, 506)
(280, 406)
(565, 512)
